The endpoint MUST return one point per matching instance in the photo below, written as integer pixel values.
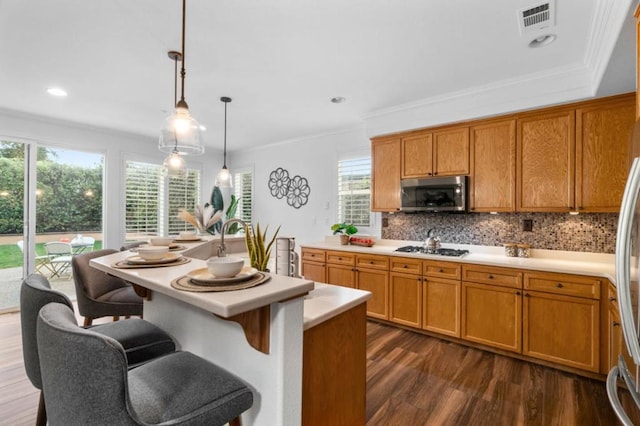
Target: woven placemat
(185, 283)
(123, 264)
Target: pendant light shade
(180, 131)
(223, 178)
(174, 165)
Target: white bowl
(160, 241)
(153, 252)
(226, 267)
(187, 235)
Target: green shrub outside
(11, 255)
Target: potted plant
(345, 231)
(257, 246)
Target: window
(354, 191)
(243, 190)
(153, 200)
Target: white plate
(203, 275)
(186, 240)
(169, 257)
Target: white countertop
(224, 304)
(594, 264)
(328, 301)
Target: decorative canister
(511, 249)
(524, 250)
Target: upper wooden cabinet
(603, 132)
(545, 167)
(492, 184)
(417, 156)
(385, 174)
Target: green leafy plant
(218, 204)
(234, 228)
(343, 229)
(259, 250)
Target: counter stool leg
(235, 422)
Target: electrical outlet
(385, 222)
(527, 225)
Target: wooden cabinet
(344, 276)
(492, 313)
(417, 156)
(615, 344)
(406, 299)
(441, 306)
(602, 150)
(372, 274)
(385, 175)
(492, 184)
(451, 152)
(545, 161)
(561, 319)
(313, 265)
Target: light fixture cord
(225, 136)
(175, 97)
(182, 71)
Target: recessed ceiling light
(542, 40)
(56, 91)
(338, 100)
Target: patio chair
(41, 261)
(60, 255)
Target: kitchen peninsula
(281, 337)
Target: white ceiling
(282, 60)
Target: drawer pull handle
(441, 270)
(612, 299)
(490, 277)
(405, 266)
(616, 324)
(371, 262)
(559, 285)
(517, 293)
(527, 295)
(339, 258)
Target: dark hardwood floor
(412, 379)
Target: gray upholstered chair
(90, 384)
(141, 340)
(102, 295)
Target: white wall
(313, 158)
(115, 146)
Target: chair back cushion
(84, 374)
(35, 292)
(56, 248)
(90, 281)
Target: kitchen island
(257, 333)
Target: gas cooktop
(439, 252)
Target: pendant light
(223, 179)
(174, 164)
(180, 130)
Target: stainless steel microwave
(438, 194)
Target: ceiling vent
(537, 16)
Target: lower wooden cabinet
(377, 282)
(562, 329)
(441, 306)
(314, 271)
(405, 299)
(341, 275)
(492, 315)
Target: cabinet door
(545, 155)
(492, 316)
(377, 282)
(562, 329)
(493, 167)
(441, 306)
(451, 152)
(314, 271)
(385, 173)
(602, 152)
(617, 346)
(341, 275)
(417, 157)
(405, 299)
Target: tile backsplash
(591, 232)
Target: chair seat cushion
(140, 339)
(181, 387)
(121, 295)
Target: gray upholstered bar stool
(102, 295)
(91, 384)
(141, 340)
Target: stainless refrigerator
(627, 265)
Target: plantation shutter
(184, 193)
(243, 190)
(354, 191)
(143, 199)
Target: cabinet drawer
(315, 255)
(504, 277)
(434, 268)
(341, 258)
(407, 265)
(569, 285)
(372, 261)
